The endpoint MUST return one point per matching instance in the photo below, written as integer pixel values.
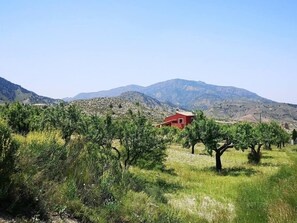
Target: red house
(179, 120)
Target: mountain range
(220, 102)
(10, 92)
(164, 98)
(120, 105)
(190, 95)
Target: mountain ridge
(181, 92)
(106, 93)
(128, 101)
(224, 103)
(10, 92)
(164, 98)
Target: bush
(7, 158)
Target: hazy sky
(59, 48)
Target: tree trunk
(193, 149)
(218, 162)
(255, 155)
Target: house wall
(174, 119)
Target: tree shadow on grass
(269, 164)
(267, 157)
(233, 171)
(154, 188)
(170, 171)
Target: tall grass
(193, 188)
(78, 179)
(272, 199)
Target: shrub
(7, 158)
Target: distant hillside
(197, 94)
(251, 111)
(183, 93)
(119, 106)
(10, 92)
(219, 102)
(108, 93)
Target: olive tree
(191, 134)
(248, 135)
(67, 119)
(280, 136)
(217, 138)
(141, 144)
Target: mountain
(184, 93)
(251, 111)
(131, 100)
(220, 102)
(197, 94)
(108, 93)
(10, 92)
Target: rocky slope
(10, 92)
(119, 106)
(183, 93)
(219, 102)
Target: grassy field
(240, 193)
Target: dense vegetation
(58, 160)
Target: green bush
(8, 148)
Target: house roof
(185, 113)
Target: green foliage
(141, 144)
(93, 172)
(211, 136)
(7, 159)
(169, 134)
(192, 134)
(60, 175)
(104, 170)
(18, 117)
(100, 131)
(279, 135)
(68, 119)
(254, 136)
(215, 137)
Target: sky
(61, 48)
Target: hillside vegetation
(162, 99)
(219, 102)
(119, 106)
(181, 92)
(58, 161)
(246, 111)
